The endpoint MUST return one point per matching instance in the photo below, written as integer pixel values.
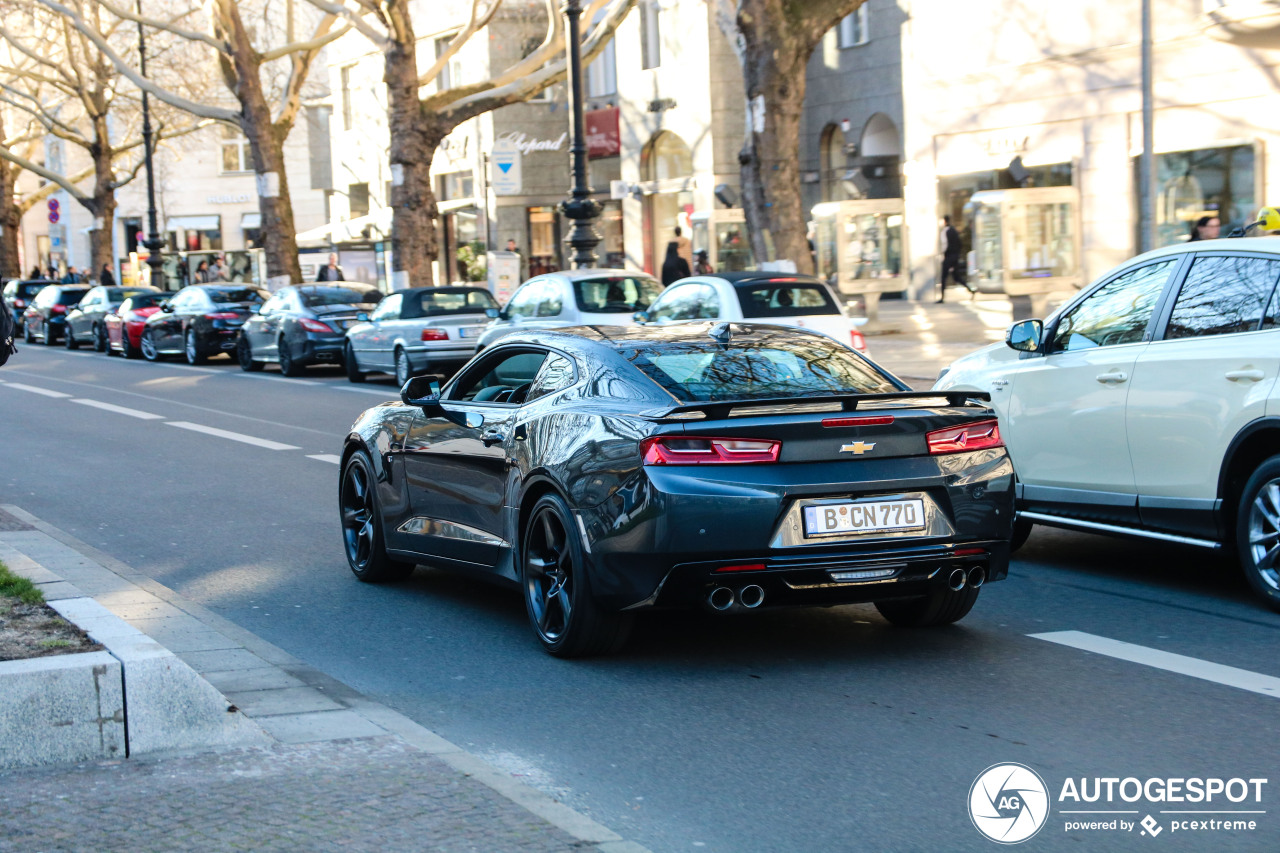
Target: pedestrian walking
(684, 247)
(331, 271)
(949, 246)
(106, 278)
(1206, 228)
(674, 267)
(36, 272)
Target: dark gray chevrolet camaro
(604, 471)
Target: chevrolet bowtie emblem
(858, 447)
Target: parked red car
(125, 324)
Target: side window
(272, 305)
(525, 301)
(557, 372)
(1222, 295)
(669, 304)
(1116, 313)
(504, 377)
(550, 300)
(388, 309)
(1271, 319)
(181, 302)
(708, 303)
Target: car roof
(626, 337)
(453, 288)
(577, 275)
(1267, 245)
(754, 277)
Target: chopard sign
(526, 144)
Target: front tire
(354, 373)
(1258, 531)
(362, 536)
(244, 355)
(100, 342)
(191, 349)
(150, 351)
(126, 346)
(557, 587)
(939, 608)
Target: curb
(275, 692)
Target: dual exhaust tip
(723, 599)
(959, 578)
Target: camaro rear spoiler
(848, 403)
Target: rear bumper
(319, 347)
(426, 358)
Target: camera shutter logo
(1008, 803)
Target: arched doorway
(880, 156)
(833, 163)
(666, 165)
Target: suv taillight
(435, 335)
(680, 450)
(974, 436)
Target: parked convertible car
(419, 329)
(200, 321)
(302, 324)
(126, 324)
(1148, 406)
(86, 323)
(611, 470)
(757, 297)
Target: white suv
(1148, 405)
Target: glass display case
(723, 234)
(1023, 241)
(859, 248)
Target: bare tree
(420, 122)
(267, 83)
(774, 40)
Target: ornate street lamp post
(580, 206)
(153, 241)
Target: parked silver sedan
(420, 330)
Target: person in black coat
(331, 271)
(674, 267)
(105, 278)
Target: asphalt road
(809, 730)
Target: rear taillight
(745, 567)
(19, 303)
(59, 309)
(435, 335)
(679, 450)
(974, 436)
(315, 325)
(222, 315)
(858, 339)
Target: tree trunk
(415, 242)
(10, 220)
(103, 207)
(774, 70)
(266, 143)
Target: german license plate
(863, 517)
(469, 331)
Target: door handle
(492, 437)
(1251, 375)
(1113, 376)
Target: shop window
(456, 185)
(235, 151)
(852, 29)
(451, 72)
(602, 74)
(611, 249)
(650, 35)
(1206, 182)
(358, 200)
(544, 241)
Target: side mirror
(492, 313)
(166, 307)
(363, 317)
(640, 317)
(423, 392)
(1025, 336)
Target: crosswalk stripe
(233, 436)
(1218, 673)
(119, 410)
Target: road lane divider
(233, 436)
(1230, 676)
(45, 392)
(325, 457)
(119, 410)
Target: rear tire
(361, 518)
(404, 370)
(1258, 531)
(100, 342)
(244, 355)
(191, 349)
(939, 608)
(288, 365)
(556, 580)
(27, 335)
(50, 336)
(354, 374)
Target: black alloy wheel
(288, 365)
(69, 339)
(191, 349)
(938, 608)
(244, 355)
(1258, 531)
(403, 370)
(150, 351)
(100, 342)
(557, 587)
(354, 373)
(362, 525)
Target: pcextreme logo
(1008, 803)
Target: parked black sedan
(607, 470)
(46, 315)
(86, 322)
(200, 321)
(302, 324)
(17, 295)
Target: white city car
(1148, 405)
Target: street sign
(53, 216)
(506, 179)
(53, 205)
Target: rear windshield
(618, 294)
(436, 303)
(148, 300)
(792, 299)
(32, 288)
(119, 294)
(318, 297)
(758, 370)
(229, 295)
(72, 297)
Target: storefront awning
(251, 220)
(209, 222)
(352, 229)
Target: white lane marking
(120, 410)
(385, 393)
(233, 436)
(279, 379)
(1218, 673)
(34, 390)
(325, 457)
